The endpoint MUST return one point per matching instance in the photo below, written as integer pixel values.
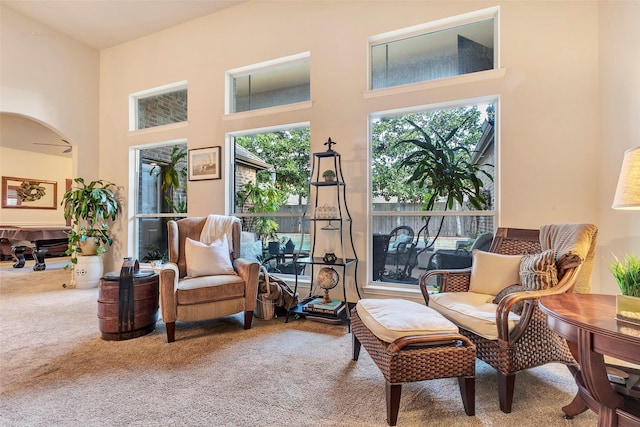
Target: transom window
(279, 82)
(440, 49)
(159, 106)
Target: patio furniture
(511, 334)
(429, 348)
(401, 255)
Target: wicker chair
(530, 342)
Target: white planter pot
(87, 272)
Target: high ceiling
(98, 24)
(105, 23)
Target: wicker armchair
(530, 342)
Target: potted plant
(627, 274)
(329, 175)
(89, 206)
(154, 255)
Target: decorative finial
(329, 143)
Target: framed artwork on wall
(204, 163)
(27, 193)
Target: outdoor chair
(401, 255)
(495, 302)
(204, 278)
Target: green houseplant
(627, 274)
(329, 175)
(89, 206)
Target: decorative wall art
(28, 193)
(204, 163)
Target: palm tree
(442, 168)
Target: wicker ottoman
(419, 355)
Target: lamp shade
(628, 190)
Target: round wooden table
(588, 323)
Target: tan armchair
(513, 341)
(188, 299)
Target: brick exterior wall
(162, 109)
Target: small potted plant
(154, 255)
(627, 274)
(89, 206)
(329, 175)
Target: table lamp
(628, 190)
(626, 271)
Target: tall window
(431, 187)
(270, 188)
(440, 49)
(269, 84)
(159, 106)
(161, 196)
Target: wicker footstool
(415, 351)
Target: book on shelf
(316, 305)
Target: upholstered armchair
(204, 277)
(495, 301)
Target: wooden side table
(588, 323)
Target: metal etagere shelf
(336, 215)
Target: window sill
(155, 129)
(432, 84)
(269, 111)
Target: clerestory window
(269, 84)
(455, 46)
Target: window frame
(134, 192)
(230, 187)
(431, 27)
(381, 286)
(159, 90)
(230, 75)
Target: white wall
(49, 77)
(568, 99)
(549, 114)
(619, 23)
(25, 164)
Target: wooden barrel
(145, 306)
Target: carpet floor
(57, 371)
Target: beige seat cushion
(472, 311)
(209, 288)
(390, 319)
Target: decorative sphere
(327, 278)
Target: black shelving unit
(347, 259)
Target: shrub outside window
(432, 174)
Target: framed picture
(204, 163)
(27, 193)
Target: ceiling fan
(68, 145)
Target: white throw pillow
(207, 260)
(491, 273)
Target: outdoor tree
(288, 152)
(426, 159)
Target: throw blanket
(216, 226)
(574, 245)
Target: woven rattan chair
(531, 342)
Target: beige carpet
(57, 371)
